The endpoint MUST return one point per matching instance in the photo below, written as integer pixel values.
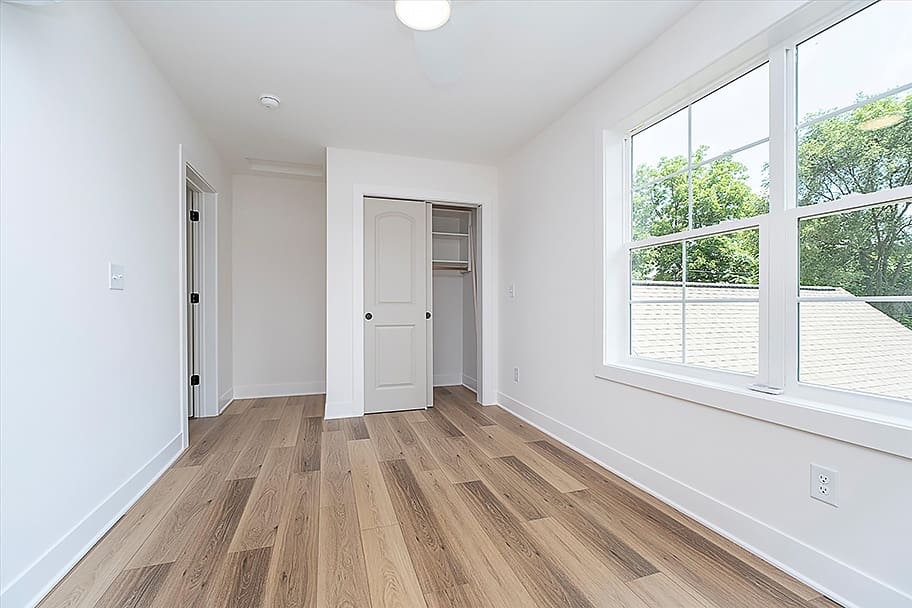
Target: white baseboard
(828, 575)
(469, 382)
(452, 379)
(341, 409)
(288, 389)
(39, 578)
(225, 400)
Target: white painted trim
(825, 573)
(225, 400)
(288, 389)
(860, 427)
(487, 353)
(29, 587)
(470, 383)
(182, 397)
(452, 379)
(343, 409)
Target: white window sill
(883, 433)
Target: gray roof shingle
(850, 345)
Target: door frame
(485, 217)
(208, 279)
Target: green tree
(721, 191)
(866, 252)
(841, 155)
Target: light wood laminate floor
(460, 505)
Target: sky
(870, 53)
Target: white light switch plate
(117, 277)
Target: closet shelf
(451, 234)
(452, 262)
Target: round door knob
(427, 315)
(368, 316)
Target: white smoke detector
(270, 102)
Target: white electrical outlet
(515, 374)
(511, 291)
(824, 484)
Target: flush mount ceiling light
(423, 15)
(881, 122)
(270, 102)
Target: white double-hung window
(769, 222)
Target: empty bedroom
(463, 303)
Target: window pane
(862, 253)
(657, 273)
(724, 335)
(733, 187)
(724, 266)
(655, 331)
(857, 346)
(733, 116)
(663, 144)
(660, 208)
(867, 54)
(863, 150)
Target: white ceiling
(350, 75)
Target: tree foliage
(866, 252)
(721, 191)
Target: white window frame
(879, 422)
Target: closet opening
(455, 257)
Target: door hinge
(194, 380)
(194, 215)
(194, 298)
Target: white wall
(746, 477)
(279, 286)
(91, 381)
(348, 171)
(447, 327)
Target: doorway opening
(199, 296)
(194, 329)
(454, 286)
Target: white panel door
(395, 305)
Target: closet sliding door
(396, 307)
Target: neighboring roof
(850, 345)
